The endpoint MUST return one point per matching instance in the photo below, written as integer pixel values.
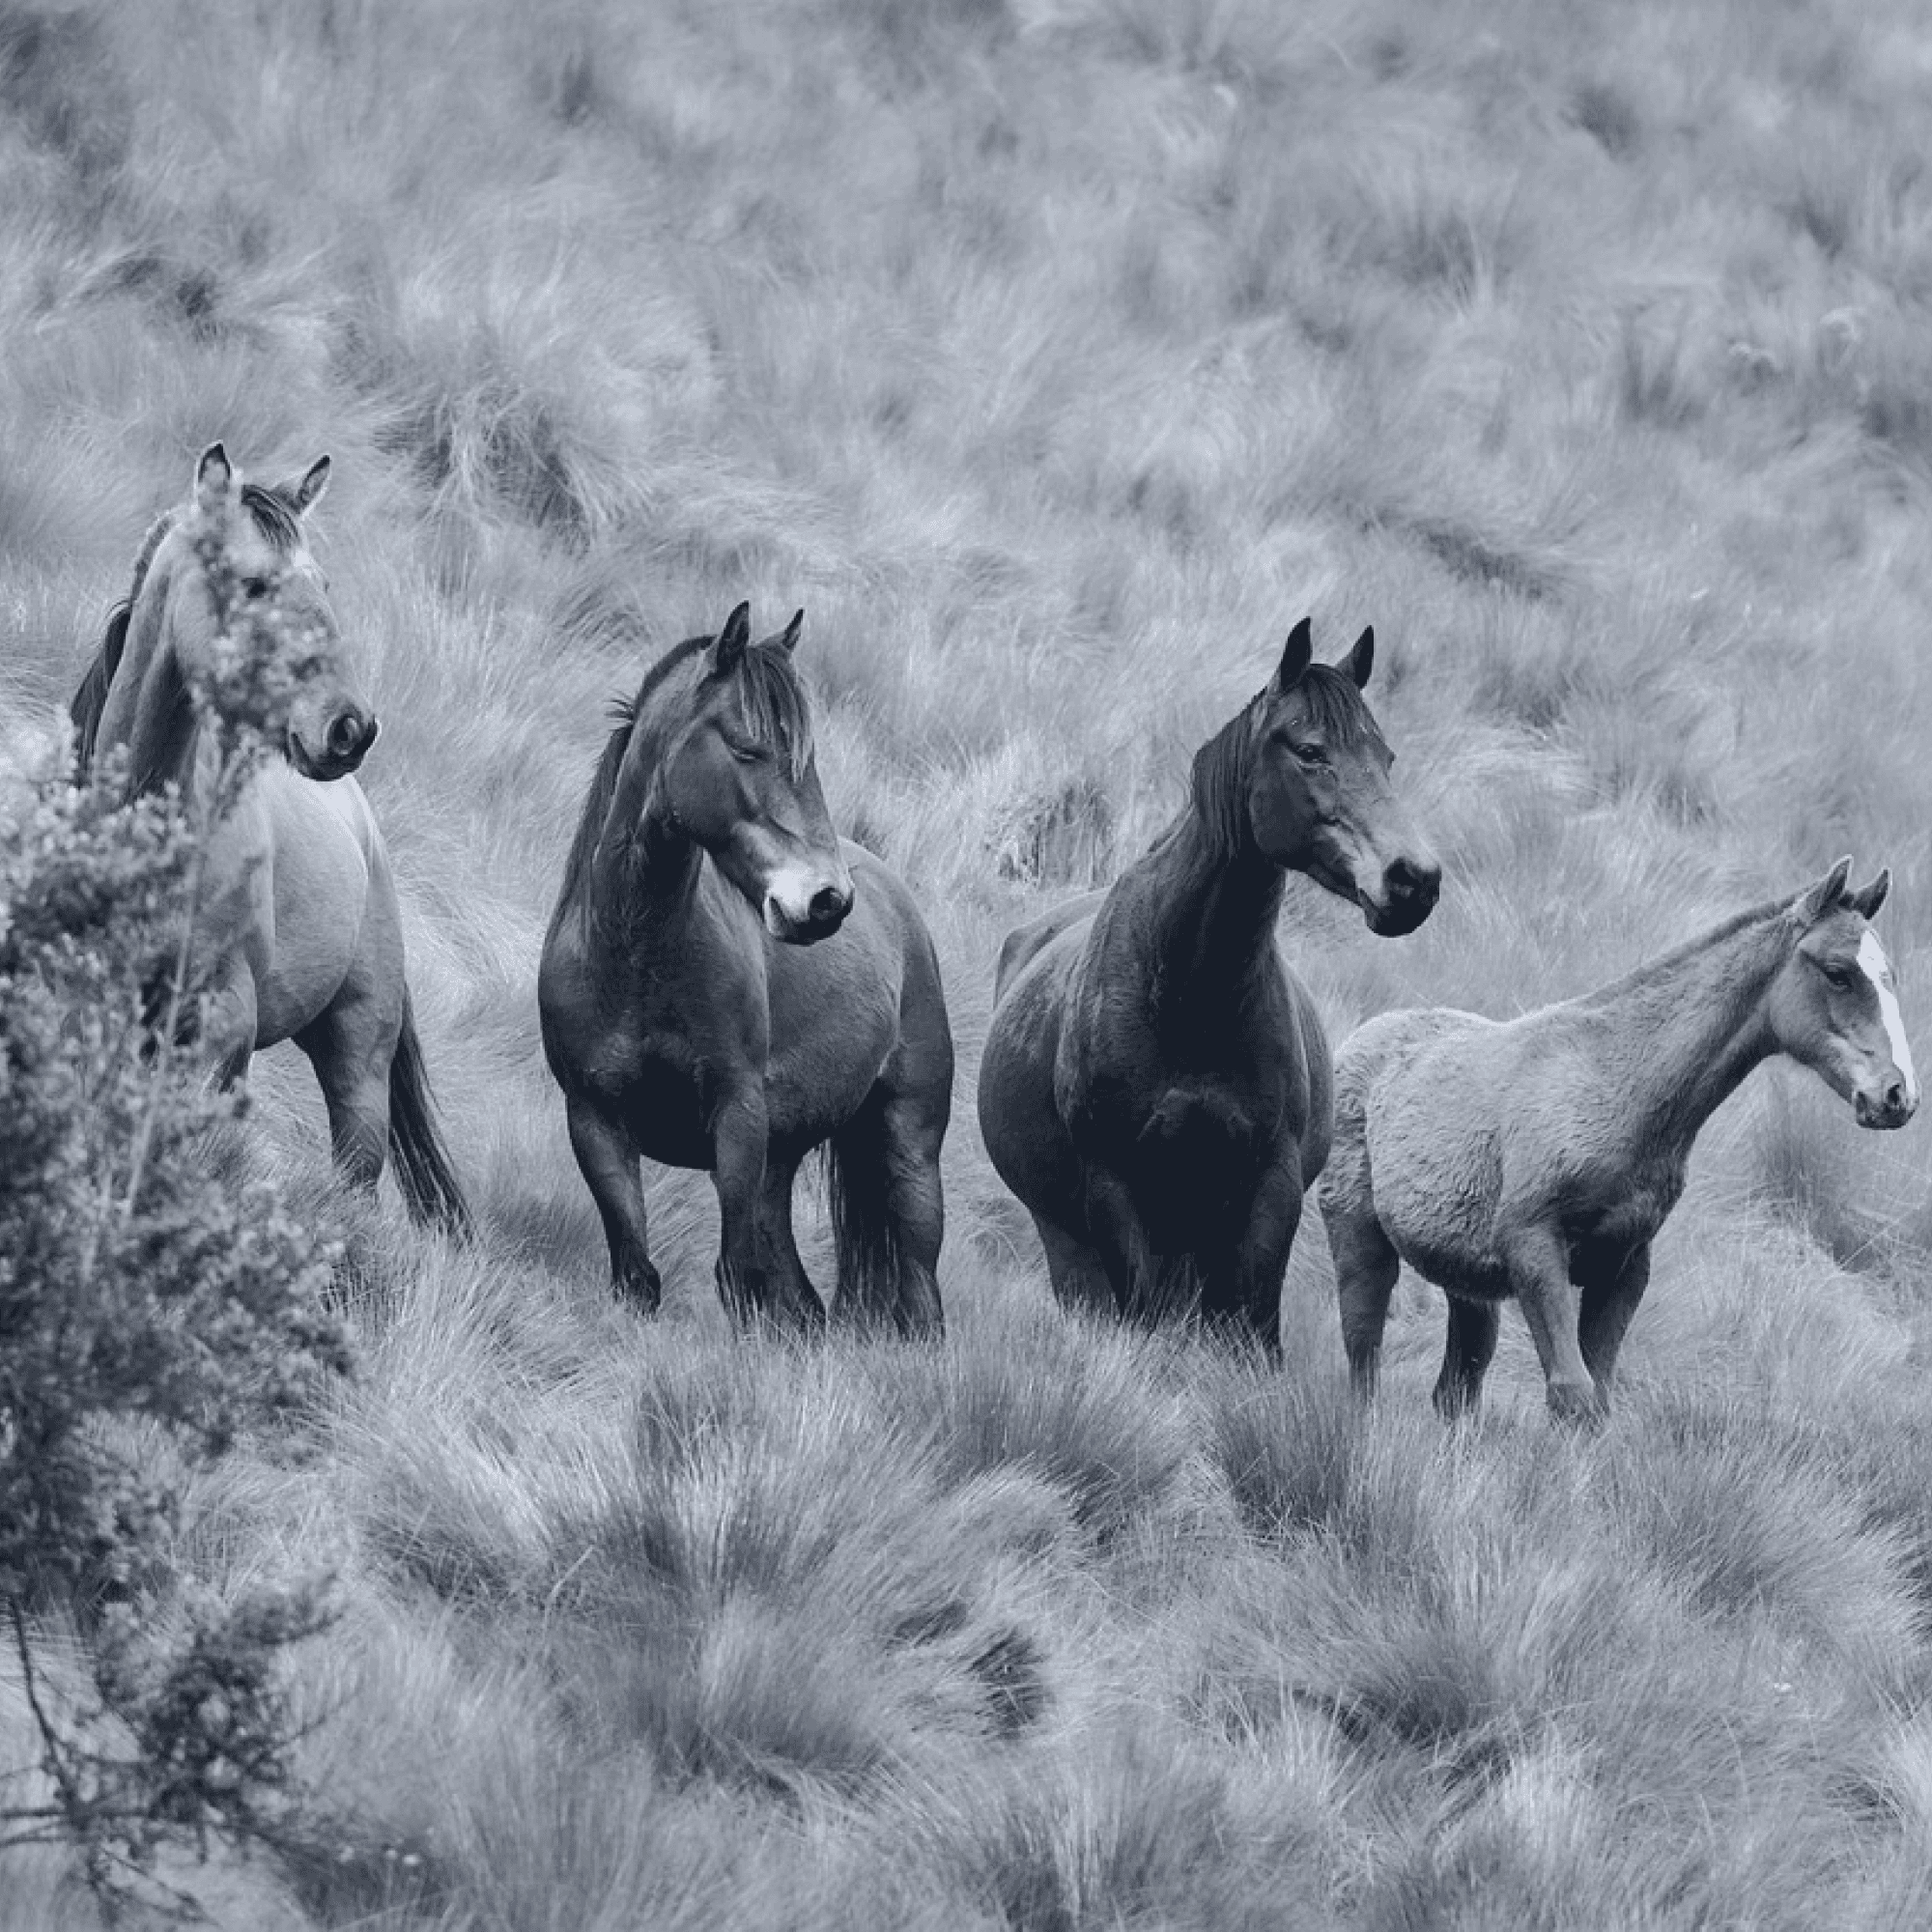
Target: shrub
(149, 1311)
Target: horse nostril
(829, 905)
(1894, 1097)
(349, 734)
(1408, 880)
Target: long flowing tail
(878, 1279)
(423, 1169)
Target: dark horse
(1156, 1087)
(297, 933)
(728, 984)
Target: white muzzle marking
(1877, 968)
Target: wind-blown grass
(1056, 356)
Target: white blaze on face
(789, 892)
(1877, 968)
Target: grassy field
(1056, 356)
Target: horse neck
(1697, 1026)
(1214, 901)
(161, 731)
(643, 859)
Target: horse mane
(1686, 951)
(274, 514)
(1224, 765)
(773, 707)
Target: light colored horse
(1537, 1158)
(297, 933)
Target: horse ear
(305, 491)
(790, 638)
(215, 483)
(1294, 657)
(1361, 661)
(1868, 897)
(1816, 901)
(732, 639)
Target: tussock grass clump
(1057, 355)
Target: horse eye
(254, 588)
(746, 754)
(1311, 754)
(1837, 978)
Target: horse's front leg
(607, 1157)
(1611, 1287)
(741, 1143)
(1538, 1262)
(1119, 1236)
(1252, 1296)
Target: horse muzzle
(344, 744)
(1409, 889)
(1887, 1105)
(819, 918)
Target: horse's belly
(666, 1112)
(288, 892)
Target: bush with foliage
(152, 1309)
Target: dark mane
(1220, 788)
(773, 708)
(1225, 763)
(273, 514)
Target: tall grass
(1057, 355)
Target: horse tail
(423, 1167)
(90, 699)
(878, 1280)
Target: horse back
(1025, 943)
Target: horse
(1156, 1085)
(297, 933)
(727, 984)
(1537, 1158)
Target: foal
(1537, 1158)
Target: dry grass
(1056, 356)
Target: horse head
(263, 568)
(741, 780)
(1834, 1006)
(1318, 797)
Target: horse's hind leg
(1078, 1276)
(1366, 1268)
(1261, 1259)
(789, 1286)
(608, 1159)
(1611, 1287)
(1473, 1326)
(890, 1211)
(349, 1048)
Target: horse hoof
(641, 1287)
(1577, 1409)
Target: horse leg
(1120, 1238)
(916, 1206)
(1473, 1326)
(792, 1291)
(740, 1137)
(228, 1023)
(1539, 1271)
(1366, 1268)
(349, 1046)
(1261, 1258)
(1078, 1275)
(607, 1157)
(1610, 1293)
